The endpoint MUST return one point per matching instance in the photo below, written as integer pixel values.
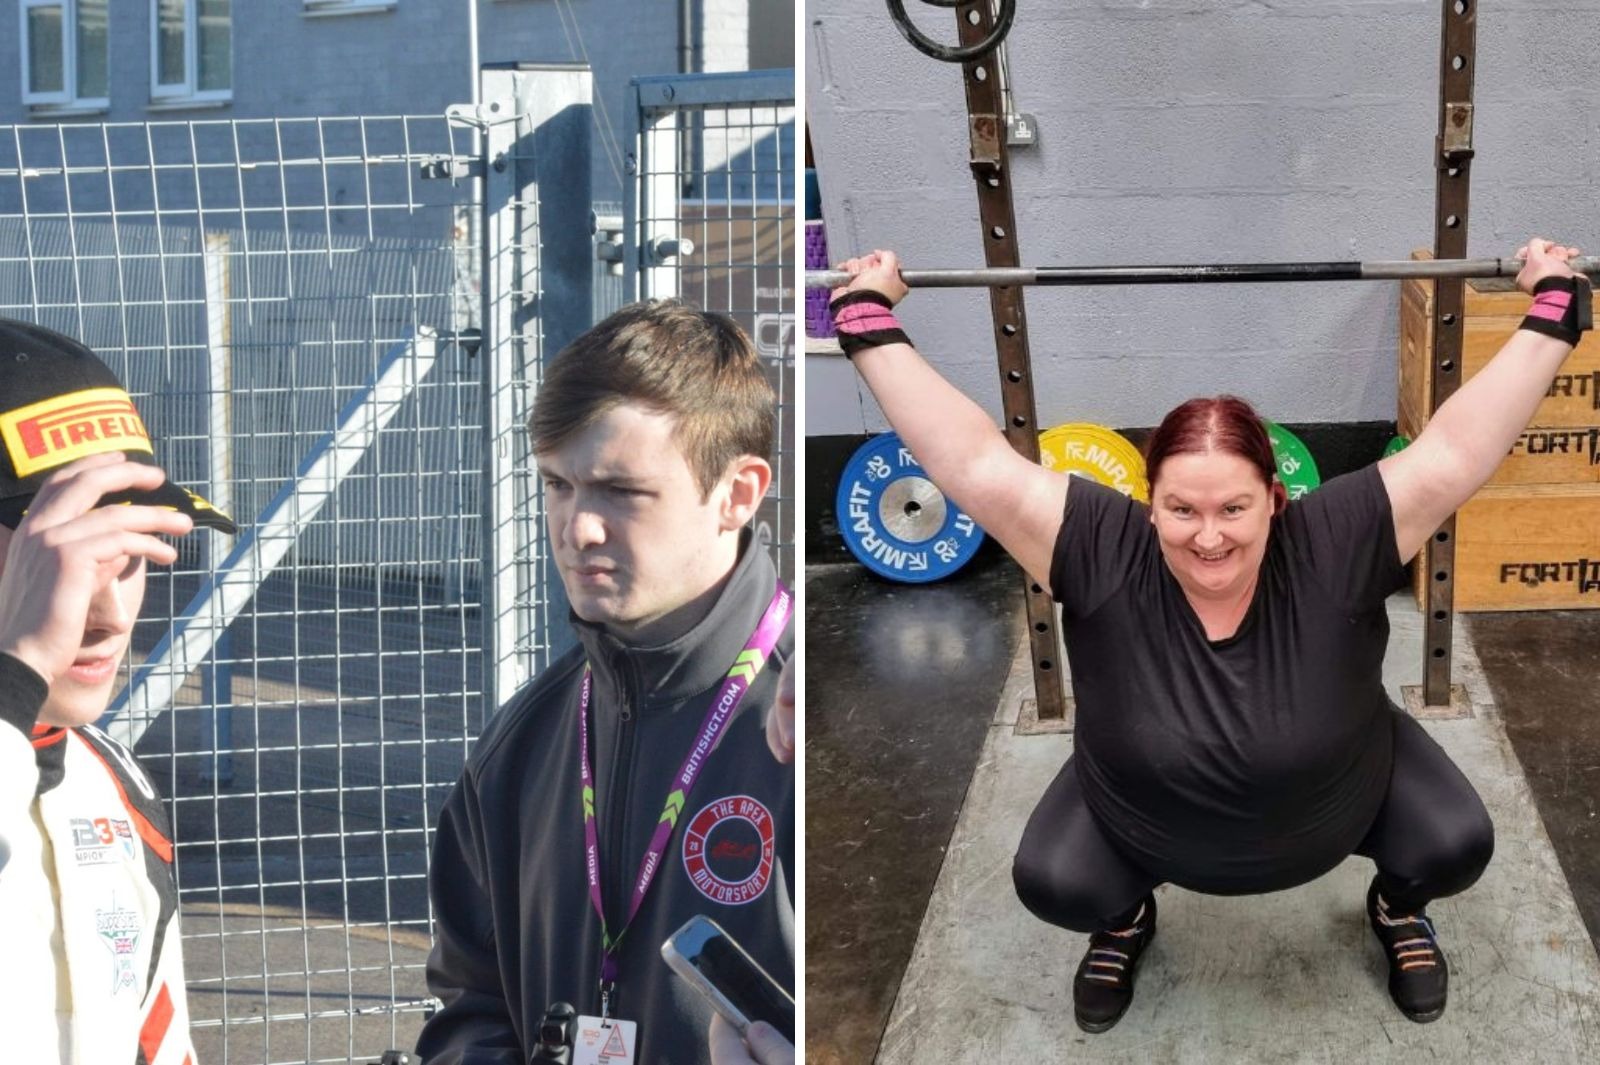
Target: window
(191, 50)
(64, 64)
(347, 7)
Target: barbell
(1199, 273)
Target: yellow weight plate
(1095, 452)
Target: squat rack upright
(982, 31)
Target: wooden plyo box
(1530, 540)
(1528, 547)
(1559, 447)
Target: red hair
(1215, 423)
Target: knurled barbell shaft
(1200, 273)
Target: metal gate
(333, 327)
(294, 307)
(710, 217)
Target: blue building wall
(412, 57)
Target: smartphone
(729, 978)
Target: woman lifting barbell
(1233, 732)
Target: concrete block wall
(1179, 131)
(725, 34)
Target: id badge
(605, 1042)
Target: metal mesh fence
(283, 298)
(295, 305)
(716, 166)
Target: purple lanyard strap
(738, 681)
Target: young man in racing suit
(93, 970)
(640, 756)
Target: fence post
(506, 631)
(558, 99)
(216, 677)
(538, 296)
(653, 246)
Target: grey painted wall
(413, 58)
(772, 34)
(1178, 131)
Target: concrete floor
(1544, 671)
(887, 763)
(1294, 976)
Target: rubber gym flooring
(914, 948)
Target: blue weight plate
(895, 521)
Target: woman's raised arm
(1475, 429)
(1017, 502)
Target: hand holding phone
(762, 1046)
(729, 978)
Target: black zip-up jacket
(514, 926)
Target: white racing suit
(91, 968)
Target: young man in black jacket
(629, 787)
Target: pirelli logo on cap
(199, 503)
(66, 428)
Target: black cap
(60, 403)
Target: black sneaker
(1419, 977)
(1103, 987)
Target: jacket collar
(49, 753)
(693, 662)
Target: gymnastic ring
(947, 53)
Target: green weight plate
(1296, 468)
(1395, 446)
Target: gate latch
(450, 168)
(489, 113)
(662, 250)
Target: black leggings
(1431, 838)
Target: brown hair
(1215, 423)
(674, 358)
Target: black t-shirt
(1247, 764)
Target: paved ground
(302, 878)
(336, 991)
(1291, 976)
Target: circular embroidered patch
(728, 850)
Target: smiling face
(635, 542)
(1212, 512)
(81, 696)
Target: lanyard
(734, 686)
